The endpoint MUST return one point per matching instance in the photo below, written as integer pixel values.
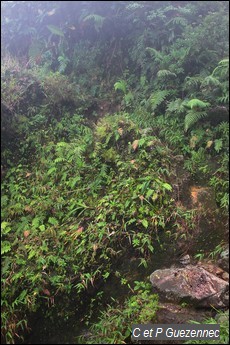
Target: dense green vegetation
(101, 101)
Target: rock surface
(185, 260)
(170, 313)
(224, 260)
(191, 284)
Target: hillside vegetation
(107, 109)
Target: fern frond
(222, 69)
(210, 81)
(178, 21)
(196, 103)
(120, 85)
(59, 160)
(78, 150)
(224, 98)
(158, 97)
(165, 73)
(155, 53)
(192, 117)
(192, 82)
(176, 106)
(104, 170)
(224, 62)
(63, 62)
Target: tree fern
(158, 97)
(192, 117)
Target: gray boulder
(224, 260)
(191, 284)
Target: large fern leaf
(197, 104)
(210, 81)
(158, 97)
(192, 82)
(192, 117)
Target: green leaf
(55, 30)
(62, 144)
(51, 170)
(53, 221)
(42, 227)
(5, 228)
(35, 222)
(120, 85)
(4, 225)
(149, 193)
(32, 254)
(167, 186)
(5, 247)
(155, 196)
(145, 223)
(218, 145)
